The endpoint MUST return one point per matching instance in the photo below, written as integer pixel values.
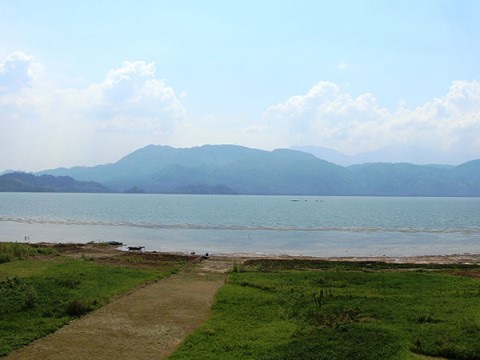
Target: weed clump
(30, 297)
(16, 295)
(4, 258)
(237, 268)
(77, 307)
(11, 251)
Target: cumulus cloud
(326, 116)
(128, 108)
(16, 73)
(43, 125)
(129, 98)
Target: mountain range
(414, 154)
(23, 182)
(230, 169)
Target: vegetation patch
(265, 265)
(320, 310)
(13, 251)
(40, 294)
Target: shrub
(4, 258)
(21, 250)
(70, 283)
(30, 297)
(237, 268)
(78, 307)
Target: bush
(15, 250)
(69, 283)
(237, 268)
(11, 251)
(21, 250)
(30, 297)
(78, 307)
(16, 295)
(4, 258)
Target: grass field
(267, 309)
(41, 289)
(320, 310)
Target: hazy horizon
(87, 83)
(330, 155)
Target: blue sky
(87, 82)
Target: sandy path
(148, 323)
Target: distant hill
(229, 169)
(213, 168)
(404, 179)
(22, 182)
(327, 154)
(415, 154)
(204, 189)
(6, 172)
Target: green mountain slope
(230, 169)
(242, 170)
(22, 182)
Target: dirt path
(148, 323)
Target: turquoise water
(318, 226)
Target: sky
(87, 82)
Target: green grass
(344, 311)
(37, 296)
(13, 251)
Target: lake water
(317, 226)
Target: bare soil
(421, 259)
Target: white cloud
(129, 98)
(42, 128)
(450, 122)
(326, 116)
(16, 73)
(131, 107)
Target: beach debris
(136, 248)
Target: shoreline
(420, 259)
(259, 243)
(107, 249)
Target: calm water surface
(319, 226)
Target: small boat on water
(136, 248)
